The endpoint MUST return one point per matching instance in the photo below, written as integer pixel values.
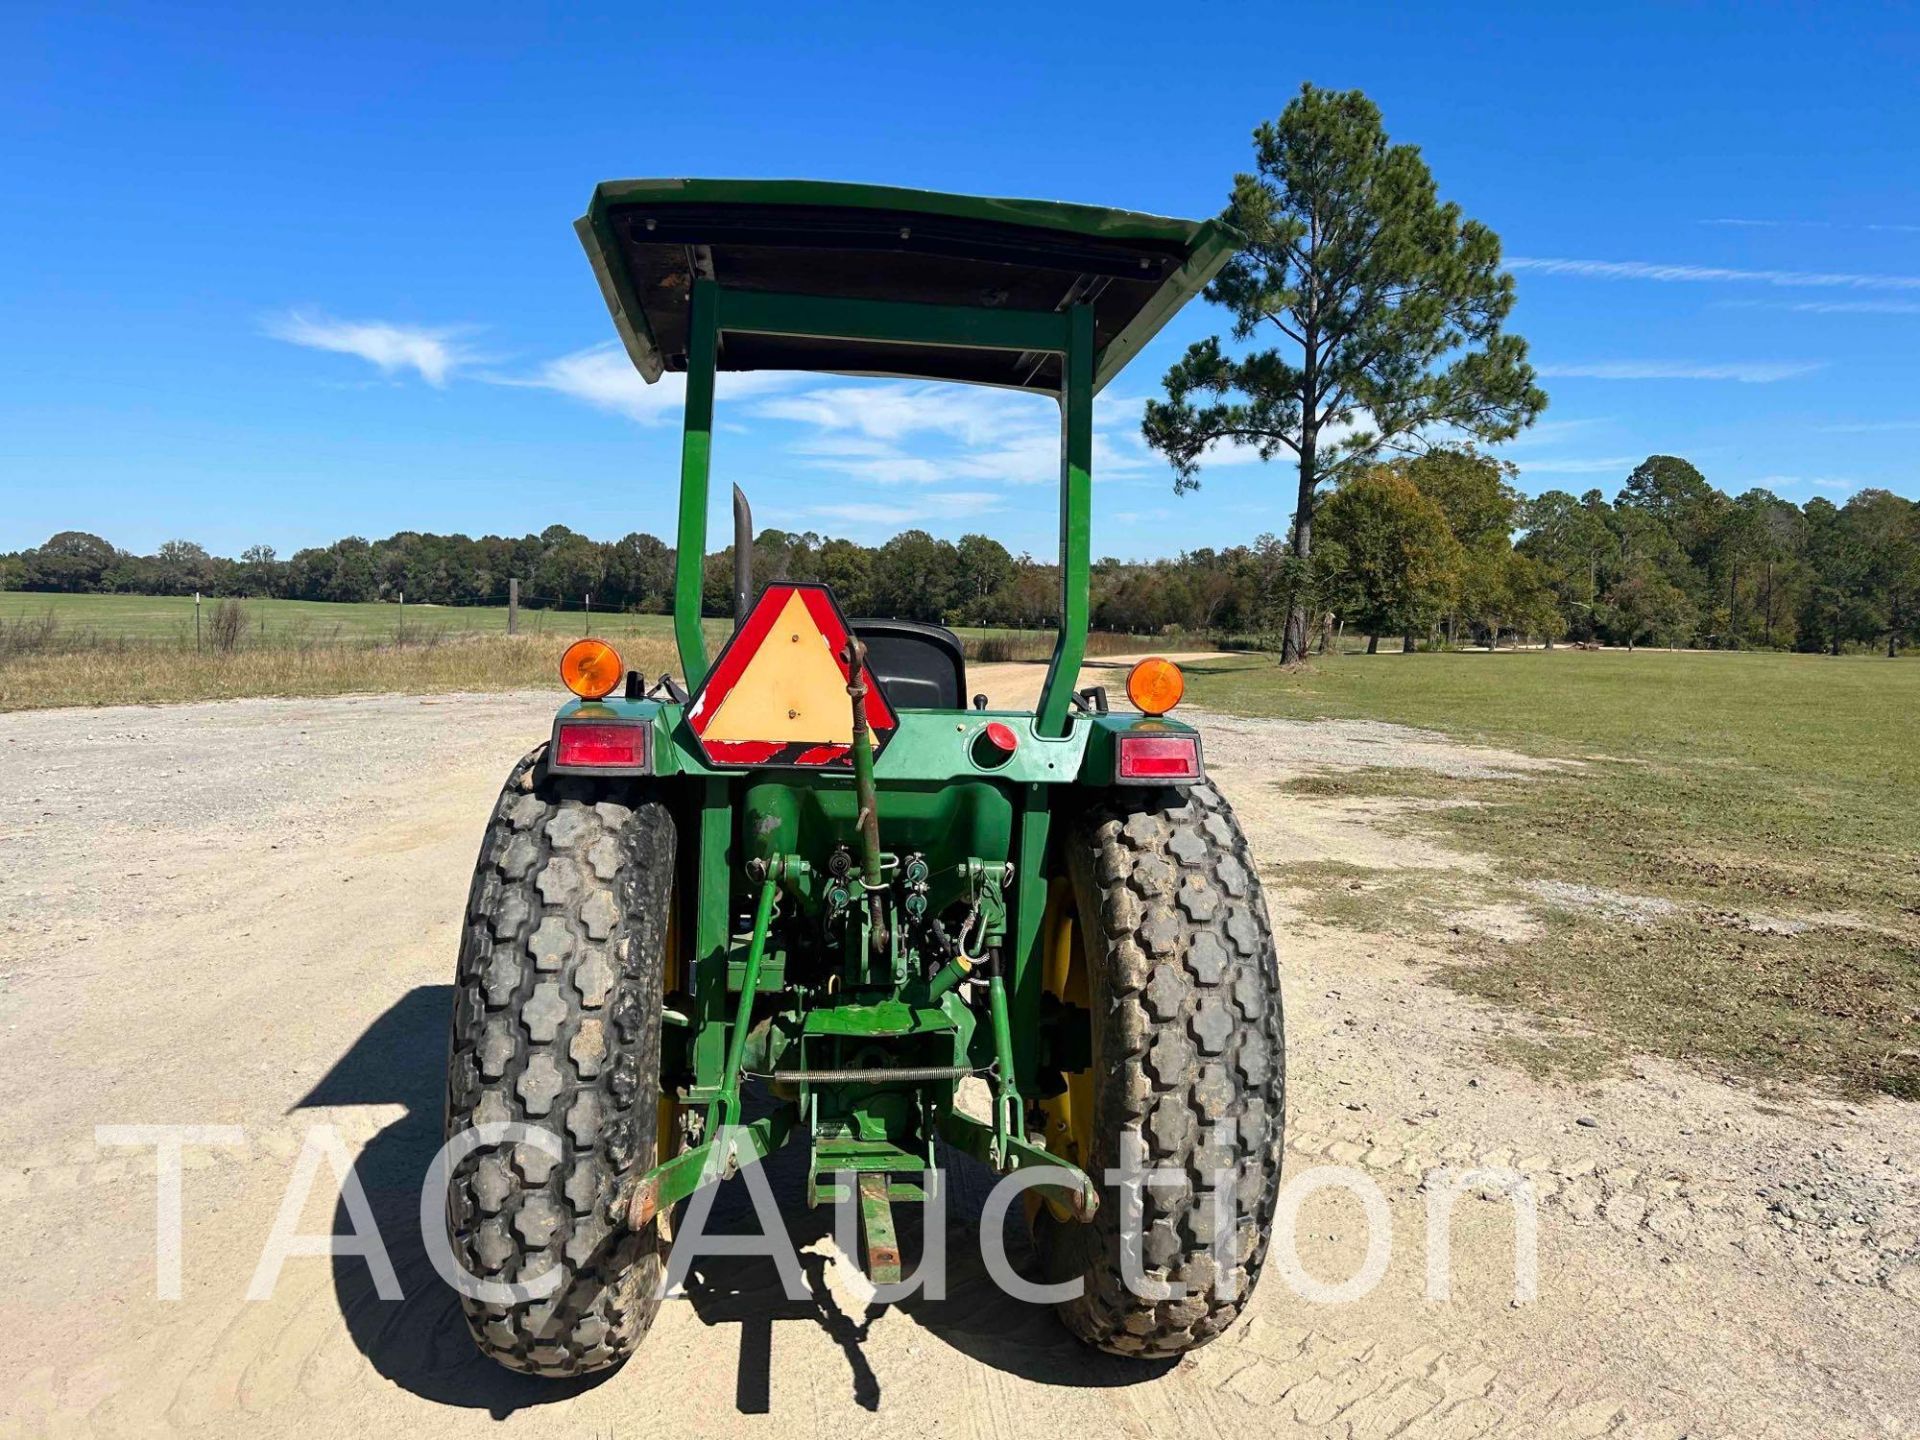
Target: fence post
(196, 622)
(400, 625)
(589, 629)
(513, 604)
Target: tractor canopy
(812, 865)
(650, 240)
(1054, 299)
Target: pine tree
(1389, 304)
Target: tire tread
(1189, 1049)
(557, 1023)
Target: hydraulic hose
(867, 821)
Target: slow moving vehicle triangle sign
(778, 693)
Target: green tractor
(811, 864)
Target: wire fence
(38, 622)
(45, 623)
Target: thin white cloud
(1652, 270)
(434, 352)
(1855, 307)
(1223, 453)
(911, 433)
(1867, 427)
(1817, 482)
(1551, 435)
(1547, 432)
(1824, 307)
(894, 410)
(890, 468)
(602, 376)
(1750, 372)
(1226, 453)
(1596, 465)
(943, 506)
(1810, 225)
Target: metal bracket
(1080, 1199)
(721, 1158)
(876, 1219)
(724, 1112)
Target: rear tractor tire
(557, 1025)
(1161, 932)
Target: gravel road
(245, 914)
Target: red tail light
(1157, 759)
(601, 745)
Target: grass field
(1768, 806)
(170, 618)
(132, 673)
(136, 649)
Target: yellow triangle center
(792, 689)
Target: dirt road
(245, 915)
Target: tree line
(1437, 548)
(1380, 310)
(1443, 547)
(1368, 317)
(916, 576)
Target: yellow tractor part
(668, 1132)
(1067, 1118)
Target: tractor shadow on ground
(420, 1342)
(975, 1317)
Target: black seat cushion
(922, 667)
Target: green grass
(144, 673)
(986, 645)
(170, 618)
(1745, 705)
(60, 650)
(133, 649)
(1744, 787)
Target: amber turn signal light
(590, 668)
(1155, 685)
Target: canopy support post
(1076, 538)
(696, 457)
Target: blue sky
(277, 274)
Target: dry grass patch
(995, 647)
(1845, 1005)
(136, 673)
(1736, 886)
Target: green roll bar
(716, 311)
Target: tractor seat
(922, 667)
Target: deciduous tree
(1570, 541)
(71, 560)
(1887, 528)
(984, 566)
(1397, 559)
(1644, 604)
(1482, 508)
(914, 576)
